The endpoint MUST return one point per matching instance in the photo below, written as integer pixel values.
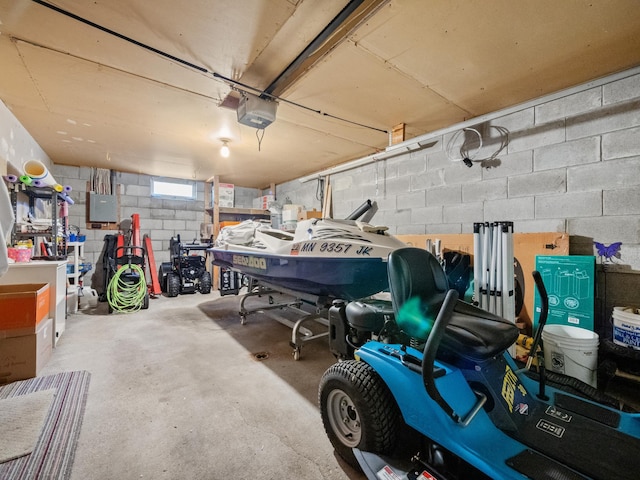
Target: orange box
(228, 223)
(307, 214)
(23, 356)
(23, 306)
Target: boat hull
(341, 278)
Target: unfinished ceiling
(136, 85)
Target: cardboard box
(23, 306)
(23, 356)
(570, 284)
(229, 223)
(226, 193)
(307, 214)
(290, 213)
(262, 203)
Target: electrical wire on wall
(469, 151)
(320, 190)
(384, 177)
(504, 141)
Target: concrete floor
(184, 391)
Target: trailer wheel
(173, 285)
(205, 283)
(357, 410)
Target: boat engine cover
(370, 315)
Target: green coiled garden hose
(125, 295)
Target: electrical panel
(103, 208)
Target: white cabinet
(40, 271)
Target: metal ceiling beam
(347, 21)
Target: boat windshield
(277, 234)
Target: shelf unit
(51, 233)
(215, 214)
(234, 214)
(75, 259)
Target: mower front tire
(173, 285)
(205, 283)
(358, 410)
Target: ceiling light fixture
(224, 150)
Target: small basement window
(184, 189)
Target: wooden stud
(398, 134)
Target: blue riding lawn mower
(426, 389)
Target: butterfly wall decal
(608, 251)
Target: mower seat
(418, 285)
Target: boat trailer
(315, 310)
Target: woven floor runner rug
(53, 452)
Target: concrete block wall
(160, 218)
(297, 193)
(16, 144)
(243, 197)
(572, 164)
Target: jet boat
(341, 259)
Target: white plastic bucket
(626, 327)
(289, 226)
(88, 298)
(572, 351)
